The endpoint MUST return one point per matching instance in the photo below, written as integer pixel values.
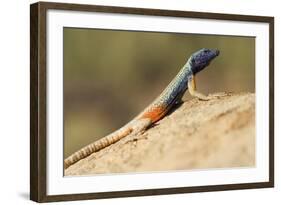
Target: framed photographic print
(133, 102)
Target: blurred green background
(110, 76)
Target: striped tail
(97, 145)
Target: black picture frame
(38, 99)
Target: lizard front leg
(193, 92)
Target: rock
(219, 133)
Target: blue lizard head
(202, 58)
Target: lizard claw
(205, 98)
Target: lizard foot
(219, 95)
(214, 96)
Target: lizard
(171, 95)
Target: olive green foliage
(110, 76)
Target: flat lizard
(171, 96)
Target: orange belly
(155, 114)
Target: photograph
(134, 101)
(132, 104)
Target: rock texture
(219, 133)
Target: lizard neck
(184, 74)
(177, 87)
(179, 83)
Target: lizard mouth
(217, 52)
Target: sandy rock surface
(219, 133)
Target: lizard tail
(97, 145)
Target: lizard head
(202, 58)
